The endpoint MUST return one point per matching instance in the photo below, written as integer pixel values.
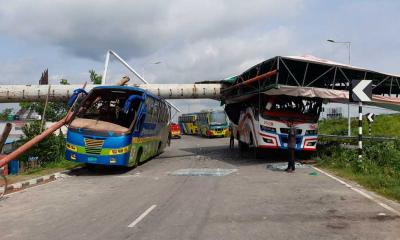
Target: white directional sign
(361, 90)
(370, 117)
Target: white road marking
(385, 206)
(140, 218)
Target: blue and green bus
(212, 123)
(118, 125)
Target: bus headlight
(71, 147)
(267, 140)
(267, 129)
(311, 144)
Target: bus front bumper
(117, 160)
(218, 133)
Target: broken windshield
(106, 105)
(292, 109)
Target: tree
(64, 81)
(50, 149)
(55, 110)
(94, 77)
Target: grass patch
(46, 169)
(52, 167)
(383, 125)
(378, 171)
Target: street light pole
(348, 105)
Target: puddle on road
(215, 172)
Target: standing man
(291, 148)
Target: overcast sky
(194, 40)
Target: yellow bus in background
(187, 123)
(213, 123)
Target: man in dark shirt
(291, 148)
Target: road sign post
(360, 91)
(370, 118)
(360, 130)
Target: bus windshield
(292, 109)
(105, 107)
(218, 118)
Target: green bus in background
(212, 123)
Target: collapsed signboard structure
(309, 76)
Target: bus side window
(160, 114)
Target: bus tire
(159, 148)
(242, 146)
(90, 166)
(138, 156)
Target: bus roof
(130, 88)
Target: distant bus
(174, 130)
(212, 124)
(266, 122)
(118, 125)
(187, 123)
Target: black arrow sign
(370, 117)
(361, 91)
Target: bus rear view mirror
(75, 95)
(129, 101)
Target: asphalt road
(149, 203)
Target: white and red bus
(264, 122)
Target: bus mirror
(129, 101)
(75, 95)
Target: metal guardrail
(356, 137)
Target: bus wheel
(243, 146)
(90, 166)
(138, 156)
(159, 148)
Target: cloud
(18, 72)
(136, 28)
(215, 59)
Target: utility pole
(348, 105)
